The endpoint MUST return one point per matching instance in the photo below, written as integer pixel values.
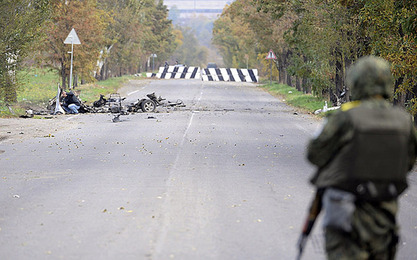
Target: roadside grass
(38, 86)
(295, 98)
(89, 93)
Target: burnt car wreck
(114, 104)
(149, 104)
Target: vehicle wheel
(148, 106)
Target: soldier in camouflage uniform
(363, 154)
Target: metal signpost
(72, 39)
(271, 56)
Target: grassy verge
(38, 86)
(295, 98)
(91, 92)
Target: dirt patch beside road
(18, 129)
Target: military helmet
(368, 77)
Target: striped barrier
(223, 74)
(174, 72)
(211, 74)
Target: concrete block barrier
(211, 74)
(230, 74)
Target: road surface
(223, 178)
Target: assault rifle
(313, 213)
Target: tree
(160, 39)
(89, 22)
(189, 51)
(21, 24)
(138, 29)
(328, 35)
(391, 26)
(233, 36)
(123, 48)
(319, 40)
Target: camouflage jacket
(338, 131)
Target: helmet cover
(368, 77)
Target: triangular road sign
(271, 55)
(72, 38)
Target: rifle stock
(313, 213)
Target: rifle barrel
(313, 213)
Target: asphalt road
(223, 178)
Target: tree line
(315, 41)
(117, 38)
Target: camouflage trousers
(373, 235)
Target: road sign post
(72, 39)
(271, 56)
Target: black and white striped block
(223, 74)
(150, 75)
(174, 72)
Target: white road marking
(133, 92)
(160, 241)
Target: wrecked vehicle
(113, 104)
(146, 105)
(162, 101)
(149, 105)
(101, 102)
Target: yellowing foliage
(316, 41)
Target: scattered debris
(29, 114)
(101, 102)
(149, 105)
(10, 109)
(146, 105)
(116, 118)
(114, 105)
(325, 109)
